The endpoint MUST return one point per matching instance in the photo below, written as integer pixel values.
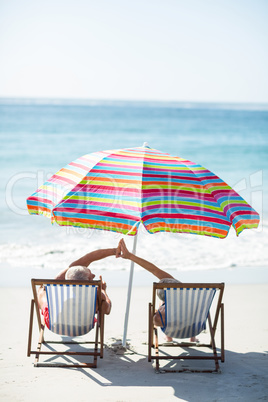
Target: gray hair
(161, 292)
(77, 273)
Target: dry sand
(129, 376)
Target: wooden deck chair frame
(153, 344)
(98, 328)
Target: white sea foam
(168, 251)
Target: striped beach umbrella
(118, 190)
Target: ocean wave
(180, 252)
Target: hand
(122, 250)
(103, 284)
(118, 251)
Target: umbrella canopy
(119, 189)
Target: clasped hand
(122, 250)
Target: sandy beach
(129, 376)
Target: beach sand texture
(129, 376)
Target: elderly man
(78, 270)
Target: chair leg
(96, 343)
(213, 344)
(156, 348)
(41, 340)
(222, 333)
(150, 333)
(30, 328)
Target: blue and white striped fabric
(186, 311)
(71, 308)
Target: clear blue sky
(183, 50)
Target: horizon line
(95, 102)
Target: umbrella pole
(129, 292)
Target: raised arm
(123, 252)
(93, 256)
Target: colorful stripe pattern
(117, 190)
(71, 308)
(186, 311)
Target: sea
(40, 136)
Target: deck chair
(71, 306)
(187, 309)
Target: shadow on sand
(243, 376)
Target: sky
(169, 50)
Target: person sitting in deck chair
(159, 317)
(78, 270)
